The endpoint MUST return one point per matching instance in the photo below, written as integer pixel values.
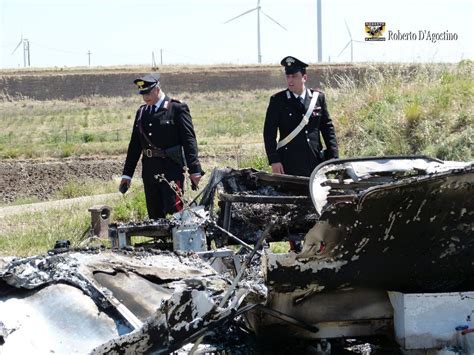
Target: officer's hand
(124, 185)
(277, 168)
(195, 180)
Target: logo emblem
(375, 31)
(290, 61)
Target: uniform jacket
(169, 126)
(304, 152)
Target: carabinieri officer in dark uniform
(163, 135)
(299, 150)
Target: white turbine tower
(320, 32)
(351, 42)
(258, 9)
(26, 50)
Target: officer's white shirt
(159, 102)
(303, 94)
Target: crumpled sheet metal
(35, 271)
(414, 234)
(57, 318)
(180, 320)
(191, 306)
(393, 169)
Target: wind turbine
(26, 49)
(258, 9)
(351, 42)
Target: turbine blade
(344, 48)
(273, 20)
(348, 29)
(245, 13)
(18, 45)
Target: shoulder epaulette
(280, 93)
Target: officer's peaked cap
(293, 65)
(147, 82)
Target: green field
(102, 126)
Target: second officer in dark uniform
(299, 150)
(163, 135)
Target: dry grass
(428, 110)
(423, 109)
(102, 126)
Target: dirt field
(69, 84)
(41, 178)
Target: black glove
(123, 187)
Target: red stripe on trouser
(178, 202)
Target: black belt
(154, 153)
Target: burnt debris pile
(248, 200)
(372, 229)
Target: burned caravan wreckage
(374, 232)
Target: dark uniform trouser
(162, 199)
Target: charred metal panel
(120, 233)
(335, 306)
(411, 234)
(180, 320)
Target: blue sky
(126, 32)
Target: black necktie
(301, 101)
(152, 109)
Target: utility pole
(89, 55)
(320, 35)
(161, 56)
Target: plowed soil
(41, 178)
